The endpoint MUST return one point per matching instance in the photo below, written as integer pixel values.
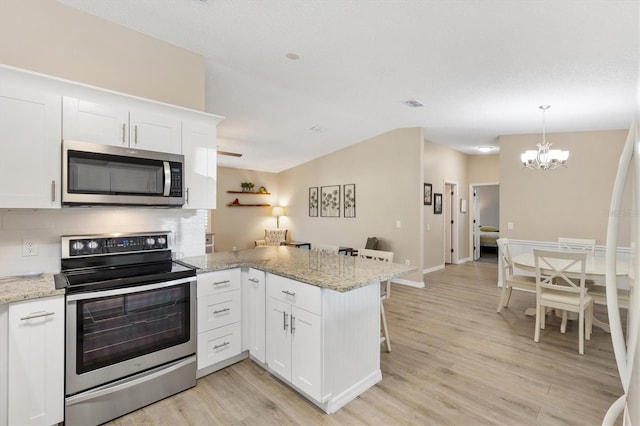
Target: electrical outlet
(29, 248)
(408, 262)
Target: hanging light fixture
(544, 158)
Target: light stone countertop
(327, 270)
(18, 288)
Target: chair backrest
(507, 265)
(372, 243)
(384, 256)
(273, 237)
(552, 268)
(577, 245)
(325, 248)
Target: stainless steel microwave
(95, 174)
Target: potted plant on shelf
(246, 186)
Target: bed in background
(488, 239)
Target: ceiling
(481, 68)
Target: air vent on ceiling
(414, 103)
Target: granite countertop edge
(210, 263)
(17, 289)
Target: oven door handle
(128, 290)
(114, 387)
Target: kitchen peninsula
(310, 318)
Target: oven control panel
(94, 245)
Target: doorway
(485, 221)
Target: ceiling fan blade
(230, 154)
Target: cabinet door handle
(37, 315)
(187, 196)
(289, 293)
(53, 191)
(221, 311)
(222, 282)
(221, 346)
(293, 324)
(124, 136)
(135, 134)
(284, 321)
(254, 280)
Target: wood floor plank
(455, 361)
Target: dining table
(595, 270)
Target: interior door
(448, 210)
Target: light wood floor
(455, 361)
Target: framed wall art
(427, 194)
(313, 201)
(437, 203)
(330, 201)
(349, 200)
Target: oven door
(116, 333)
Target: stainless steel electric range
(130, 324)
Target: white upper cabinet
(30, 133)
(199, 149)
(102, 118)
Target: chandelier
(544, 158)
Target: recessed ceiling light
(292, 56)
(414, 103)
(484, 148)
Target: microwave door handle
(167, 178)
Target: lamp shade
(277, 211)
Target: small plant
(247, 186)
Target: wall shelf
(249, 192)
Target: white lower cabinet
(324, 343)
(219, 317)
(35, 367)
(294, 339)
(253, 321)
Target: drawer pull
(293, 324)
(222, 282)
(221, 346)
(289, 293)
(284, 321)
(254, 280)
(221, 311)
(37, 315)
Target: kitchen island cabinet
(322, 313)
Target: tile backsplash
(45, 227)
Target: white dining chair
(555, 290)
(509, 279)
(385, 289)
(325, 248)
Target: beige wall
(443, 164)
(387, 171)
(240, 226)
(484, 168)
(48, 37)
(569, 202)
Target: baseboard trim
(408, 283)
(433, 269)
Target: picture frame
(313, 201)
(427, 194)
(330, 201)
(437, 203)
(349, 200)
